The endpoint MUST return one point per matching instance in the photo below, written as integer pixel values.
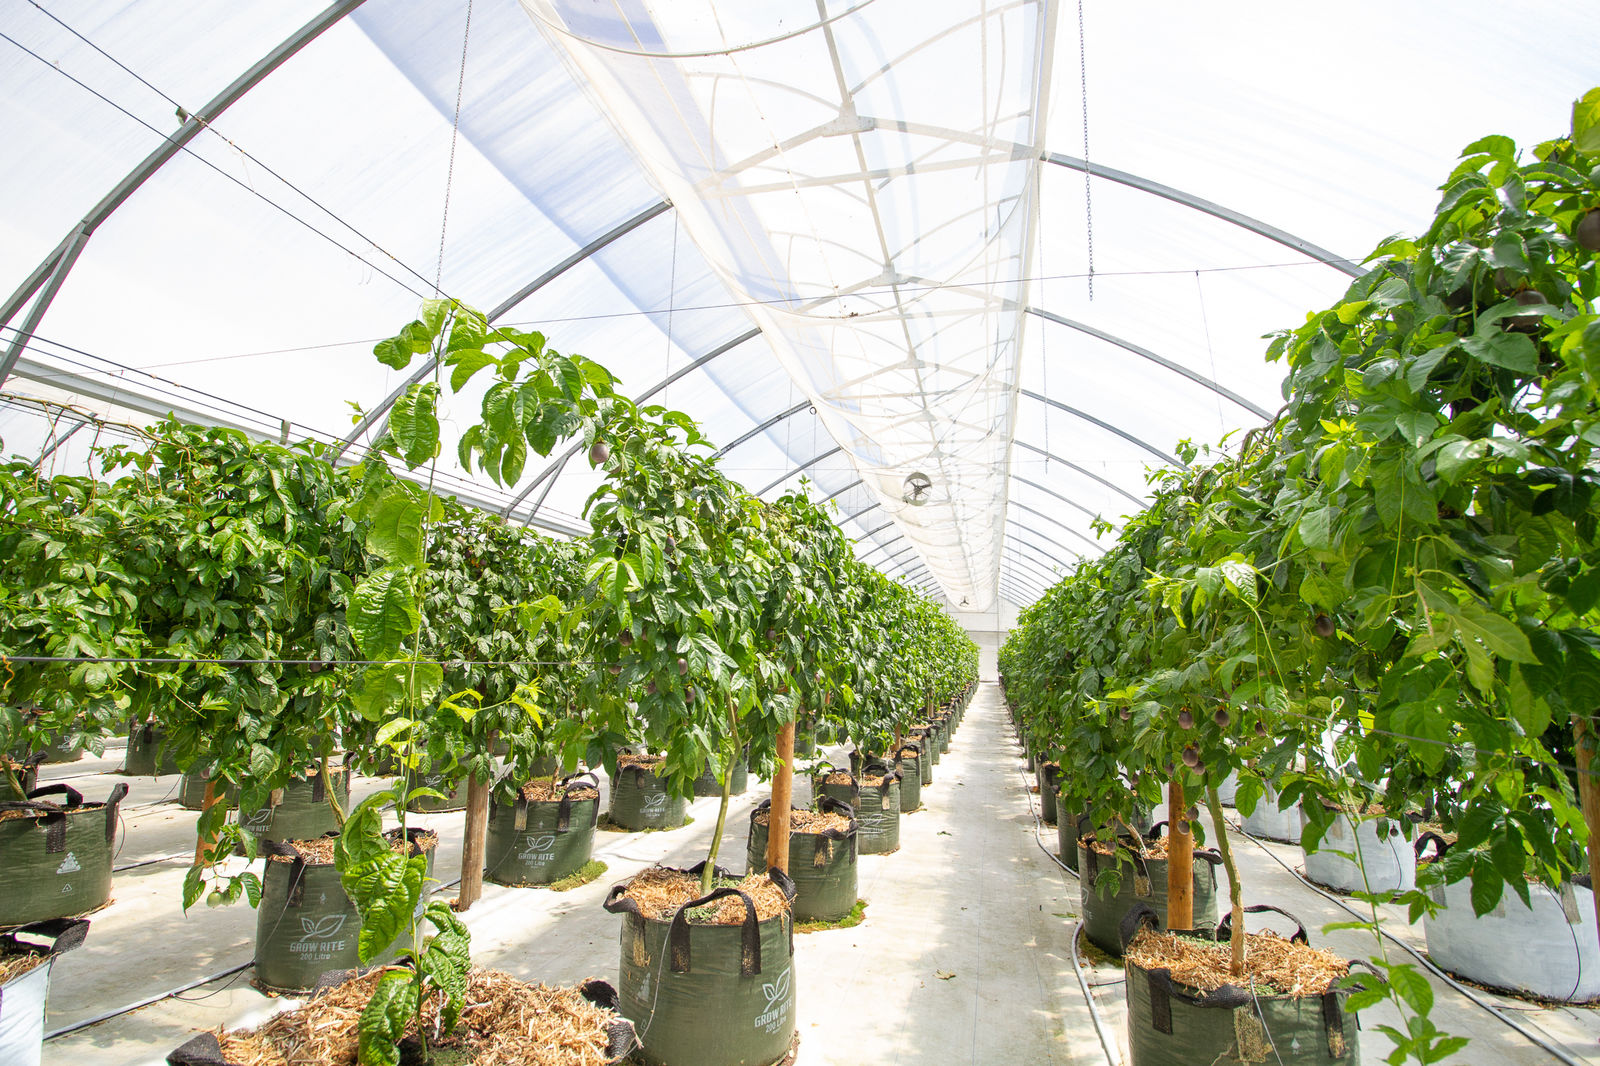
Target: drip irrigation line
(149, 862)
(1493, 1009)
(119, 1011)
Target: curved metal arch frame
(1045, 577)
(1048, 548)
(1051, 519)
(1022, 577)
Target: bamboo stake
(1180, 860)
(472, 845)
(1588, 794)
(782, 801)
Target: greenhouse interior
(706, 533)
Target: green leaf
(414, 424)
(1315, 528)
(1499, 634)
(1412, 987)
(396, 530)
(1487, 887)
(384, 1019)
(466, 364)
(252, 888)
(385, 889)
(194, 886)
(1586, 122)
(1514, 351)
(383, 613)
(1451, 460)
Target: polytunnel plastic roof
(855, 240)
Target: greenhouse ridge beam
(554, 469)
(378, 413)
(56, 265)
(1145, 353)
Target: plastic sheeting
(245, 282)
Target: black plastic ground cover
(821, 865)
(55, 855)
(539, 843)
(708, 995)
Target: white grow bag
(1268, 822)
(22, 1016)
(1390, 861)
(1550, 950)
(1228, 790)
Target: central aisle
(969, 894)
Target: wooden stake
(1180, 860)
(472, 845)
(1588, 793)
(782, 801)
(205, 845)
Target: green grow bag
(147, 754)
(708, 995)
(540, 842)
(55, 858)
(26, 771)
(878, 811)
(708, 784)
(848, 793)
(910, 777)
(300, 810)
(306, 925)
(1143, 882)
(821, 865)
(1170, 1024)
(944, 734)
(927, 761)
(455, 794)
(1070, 827)
(639, 800)
(1049, 787)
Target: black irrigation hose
(118, 1012)
(1427, 963)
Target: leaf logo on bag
(655, 803)
(69, 865)
(778, 989)
(320, 928)
(537, 848)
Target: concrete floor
(970, 894)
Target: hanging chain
(1088, 194)
(455, 135)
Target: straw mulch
(542, 791)
(873, 780)
(319, 852)
(506, 1023)
(14, 966)
(909, 752)
(839, 777)
(1153, 849)
(647, 762)
(801, 821)
(1274, 966)
(6, 816)
(659, 892)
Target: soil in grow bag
(299, 810)
(1185, 1008)
(710, 784)
(504, 1021)
(910, 764)
(306, 925)
(822, 857)
(1383, 844)
(878, 811)
(1545, 948)
(639, 799)
(707, 980)
(148, 754)
(25, 984)
(1142, 880)
(55, 858)
(545, 834)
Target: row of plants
(1380, 607)
(269, 614)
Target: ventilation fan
(917, 486)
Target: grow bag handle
(74, 797)
(64, 934)
(1440, 845)
(621, 1037)
(749, 932)
(202, 1049)
(1140, 916)
(118, 791)
(1225, 927)
(568, 783)
(413, 848)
